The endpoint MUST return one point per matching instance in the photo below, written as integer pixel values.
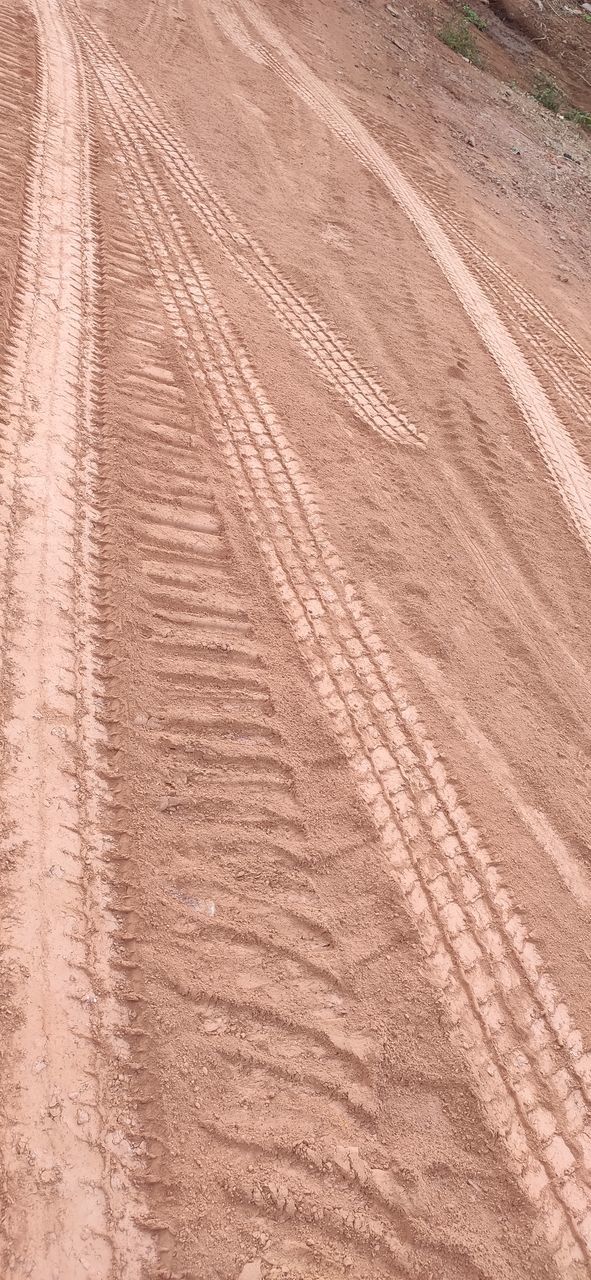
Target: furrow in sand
(561, 457)
(527, 1057)
(71, 1205)
(317, 336)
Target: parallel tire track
(71, 1204)
(533, 1074)
(568, 368)
(555, 351)
(257, 976)
(561, 457)
(329, 353)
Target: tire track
(16, 108)
(528, 1059)
(155, 25)
(564, 366)
(560, 455)
(214, 708)
(534, 322)
(71, 1202)
(235, 31)
(529, 320)
(257, 987)
(525, 300)
(329, 353)
(257, 976)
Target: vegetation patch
(457, 35)
(474, 18)
(583, 118)
(547, 93)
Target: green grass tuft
(583, 118)
(458, 36)
(547, 93)
(474, 18)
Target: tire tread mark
(564, 463)
(327, 350)
(489, 970)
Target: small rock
(252, 1271)
(470, 142)
(82, 1116)
(39, 1066)
(211, 1026)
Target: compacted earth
(295, 540)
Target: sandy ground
(295, 528)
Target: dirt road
(295, 538)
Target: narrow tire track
(334, 360)
(72, 1207)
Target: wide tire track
(251, 967)
(532, 1070)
